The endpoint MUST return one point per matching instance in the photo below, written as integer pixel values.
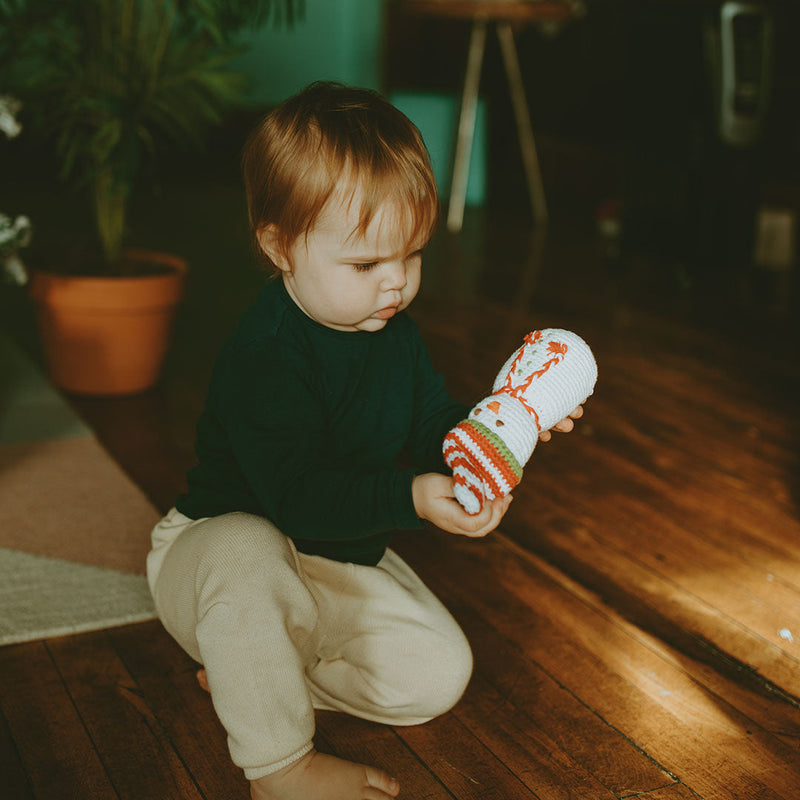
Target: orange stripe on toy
(488, 479)
(478, 495)
(460, 461)
(460, 480)
(487, 450)
(498, 461)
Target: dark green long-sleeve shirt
(304, 425)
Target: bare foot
(317, 776)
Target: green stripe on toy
(498, 444)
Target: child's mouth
(386, 313)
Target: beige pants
(281, 633)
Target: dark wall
(621, 106)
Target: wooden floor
(635, 621)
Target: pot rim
(107, 292)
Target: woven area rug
(74, 529)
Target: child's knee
(446, 677)
(433, 686)
(237, 559)
(240, 545)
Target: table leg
(522, 114)
(466, 126)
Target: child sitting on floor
(273, 570)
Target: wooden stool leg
(466, 127)
(529, 156)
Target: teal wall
(341, 40)
(335, 40)
(436, 116)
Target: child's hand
(435, 501)
(564, 426)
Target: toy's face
(493, 412)
(507, 418)
(503, 414)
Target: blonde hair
(327, 136)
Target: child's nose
(394, 276)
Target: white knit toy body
(541, 383)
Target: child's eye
(365, 266)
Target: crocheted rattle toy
(541, 383)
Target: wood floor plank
(702, 472)
(693, 488)
(599, 466)
(758, 751)
(768, 711)
(56, 751)
(684, 617)
(138, 755)
(712, 719)
(716, 381)
(679, 550)
(582, 736)
(639, 693)
(549, 772)
(15, 780)
(748, 443)
(675, 791)
(381, 746)
(722, 577)
(468, 769)
(167, 678)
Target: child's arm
(434, 412)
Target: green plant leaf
(109, 81)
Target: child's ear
(269, 242)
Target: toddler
(273, 571)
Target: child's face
(352, 283)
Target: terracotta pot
(107, 335)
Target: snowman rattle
(541, 383)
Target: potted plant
(109, 82)
(15, 233)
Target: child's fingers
(472, 525)
(476, 524)
(563, 426)
(498, 509)
(490, 516)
